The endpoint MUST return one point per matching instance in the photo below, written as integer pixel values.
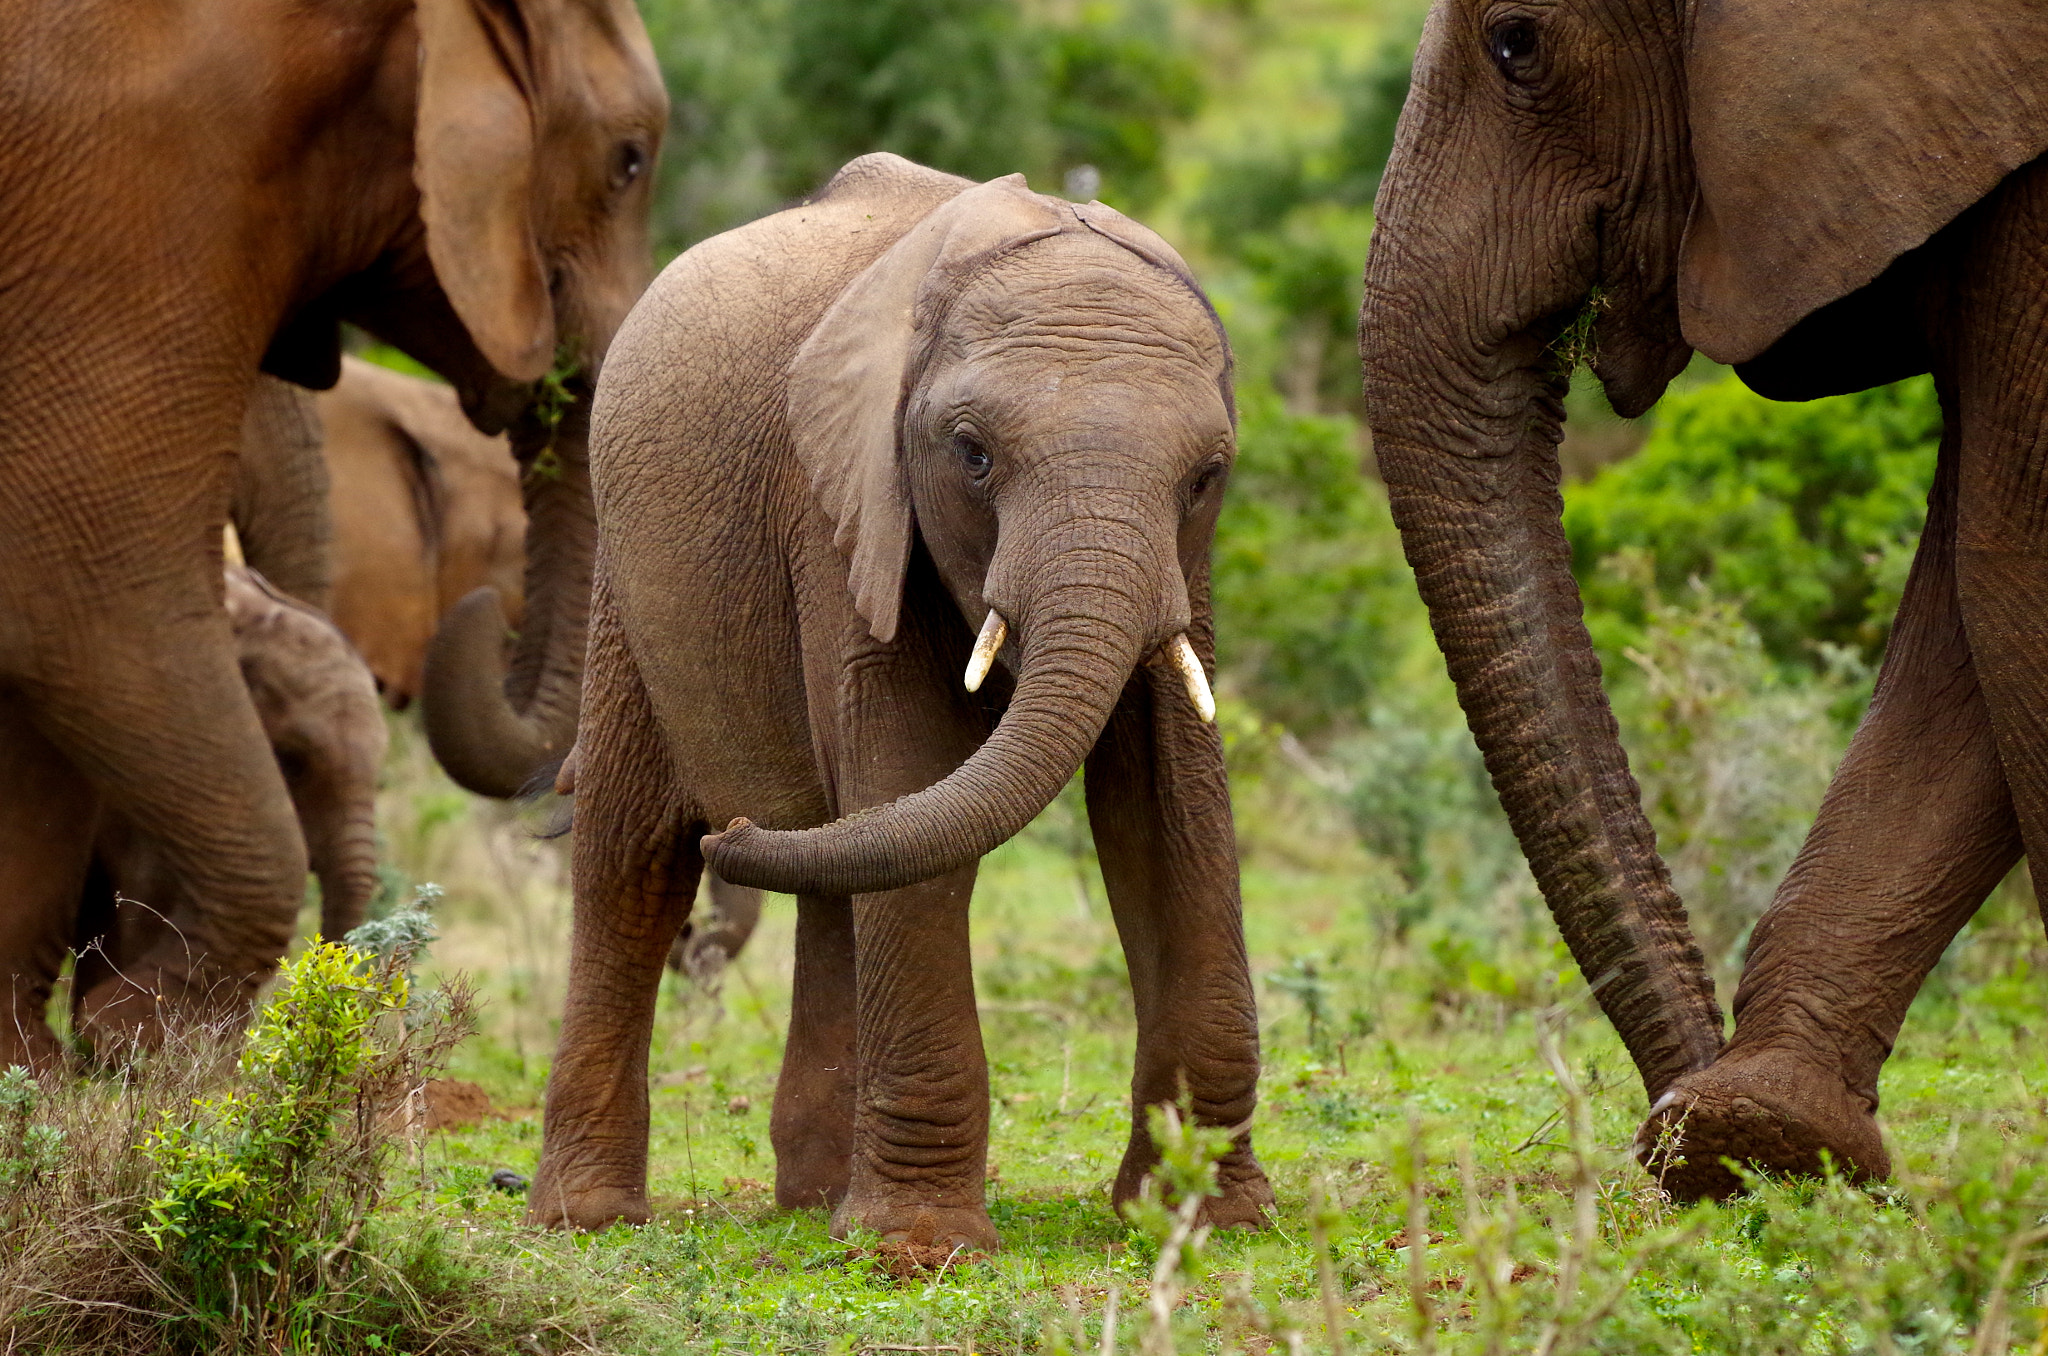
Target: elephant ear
(847, 381)
(1831, 136)
(473, 143)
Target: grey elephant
(319, 708)
(1830, 196)
(914, 429)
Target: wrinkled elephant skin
(466, 179)
(320, 712)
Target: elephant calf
(829, 449)
(318, 705)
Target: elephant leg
(812, 1124)
(920, 1130)
(1916, 829)
(46, 833)
(154, 711)
(920, 1125)
(1160, 811)
(636, 869)
(1992, 366)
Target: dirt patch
(444, 1104)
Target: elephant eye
(1513, 44)
(972, 455)
(1205, 480)
(628, 162)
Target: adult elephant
(191, 193)
(1828, 196)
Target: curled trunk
(495, 724)
(1070, 675)
(1473, 482)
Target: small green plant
(28, 1151)
(266, 1189)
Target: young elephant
(318, 705)
(830, 447)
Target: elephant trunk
(1077, 642)
(344, 859)
(493, 726)
(1469, 456)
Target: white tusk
(1190, 665)
(994, 632)
(230, 545)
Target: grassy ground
(1404, 1073)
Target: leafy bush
(769, 97)
(192, 1200)
(1294, 211)
(1732, 751)
(1805, 514)
(1315, 607)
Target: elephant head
(534, 143)
(318, 704)
(1040, 392)
(1622, 181)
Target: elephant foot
(1772, 1112)
(1243, 1196)
(552, 1206)
(962, 1228)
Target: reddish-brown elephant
(381, 503)
(829, 448)
(1828, 195)
(190, 193)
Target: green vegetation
(1806, 513)
(1445, 1116)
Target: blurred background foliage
(1741, 559)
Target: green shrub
(1315, 607)
(1805, 514)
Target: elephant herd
(838, 550)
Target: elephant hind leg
(636, 869)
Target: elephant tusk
(1190, 665)
(231, 546)
(994, 632)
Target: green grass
(1427, 1038)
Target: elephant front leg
(636, 878)
(920, 1128)
(1916, 829)
(1159, 806)
(812, 1125)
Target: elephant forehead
(1010, 387)
(1085, 299)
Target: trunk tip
(718, 848)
